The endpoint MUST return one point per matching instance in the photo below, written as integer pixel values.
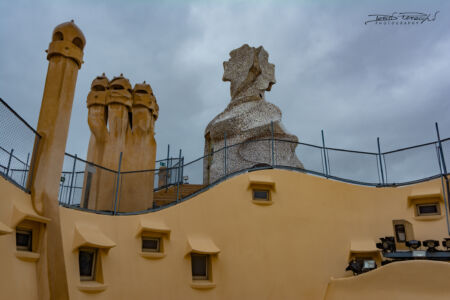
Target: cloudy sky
(354, 81)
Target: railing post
(273, 153)
(182, 170)
(444, 166)
(61, 188)
(9, 162)
(324, 154)
(381, 162)
(178, 175)
(117, 184)
(225, 152)
(167, 166)
(443, 170)
(25, 171)
(71, 179)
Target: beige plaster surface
(408, 280)
(121, 119)
(288, 250)
(65, 55)
(18, 278)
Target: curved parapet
(410, 280)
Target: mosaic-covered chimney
(248, 117)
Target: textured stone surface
(247, 118)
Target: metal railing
(18, 142)
(177, 181)
(377, 169)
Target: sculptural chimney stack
(65, 56)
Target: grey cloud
(355, 81)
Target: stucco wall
(407, 280)
(287, 250)
(18, 278)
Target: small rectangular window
(24, 239)
(151, 244)
(200, 265)
(428, 209)
(369, 264)
(87, 258)
(261, 195)
(400, 233)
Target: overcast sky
(335, 73)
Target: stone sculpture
(121, 119)
(247, 118)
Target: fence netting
(412, 164)
(446, 152)
(86, 185)
(353, 166)
(17, 144)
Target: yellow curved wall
(18, 278)
(407, 280)
(287, 250)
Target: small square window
(24, 239)
(400, 233)
(261, 195)
(200, 265)
(428, 209)
(87, 259)
(151, 244)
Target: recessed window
(261, 195)
(200, 266)
(428, 209)
(117, 87)
(400, 233)
(24, 239)
(87, 259)
(359, 265)
(151, 244)
(58, 36)
(78, 42)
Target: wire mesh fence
(353, 166)
(18, 140)
(446, 153)
(412, 164)
(311, 157)
(86, 185)
(166, 169)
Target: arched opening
(58, 36)
(141, 92)
(98, 88)
(78, 42)
(117, 87)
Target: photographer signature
(413, 17)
